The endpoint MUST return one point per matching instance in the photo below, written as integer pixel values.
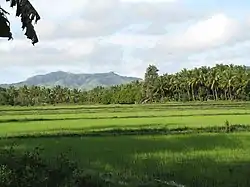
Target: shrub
(228, 126)
(29, 170)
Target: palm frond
(27, 12)
(4, 25)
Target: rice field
(189, 159)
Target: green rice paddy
(193, 159)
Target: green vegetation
(149, 134)
(171, 144)
(220, 83)
(190, 144)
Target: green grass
(15, 128)
(126, 114)
(193, 160)
(217, 159)
(172, 105)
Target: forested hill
(70, 80)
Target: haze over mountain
(71, 80)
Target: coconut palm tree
(186, 81)
(160, 88)
(27, 13)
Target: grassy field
(194, 159)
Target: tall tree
(150, 82)
(27, 12)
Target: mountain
(71, 80)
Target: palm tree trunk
(216, 94)
(188, 92)
(225, 94)
(193, 93)
(213, 94)
(230, 93)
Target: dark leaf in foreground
(4, 25)
(27, 12)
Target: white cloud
(101, 18)
(59, 9)
(135, 41)
(215, 30)
(122, 36)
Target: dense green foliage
(222, 82)
(29, 169)
(194, 144)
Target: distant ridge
(72, 80)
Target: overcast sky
(124, 36)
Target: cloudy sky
(125, 36)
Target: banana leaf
(27, 13)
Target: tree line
(221, 82)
